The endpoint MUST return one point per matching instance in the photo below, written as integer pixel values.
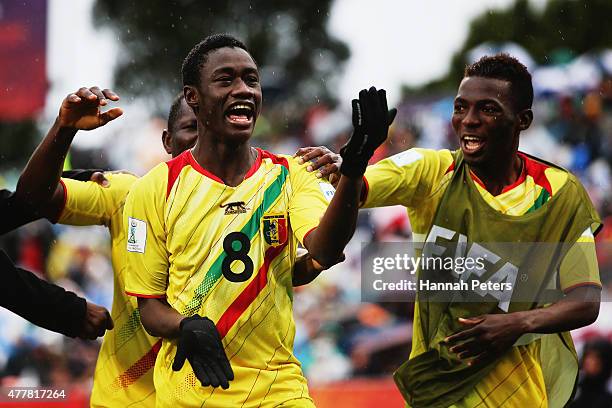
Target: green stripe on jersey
(540, 201)
(250, 229)
(125, 332)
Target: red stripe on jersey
(174, 169)
(138, 369)
(275, 159)
(477, 180)
(248, 295)
(364, 191)
(582, 284)
(194, 163)
(536, 170)
(308, 233)
(255, 165)
(519, 180)
(450, 168)
(63, 207)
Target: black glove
(201, 345)
(371, 121)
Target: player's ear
(191, 97)
(525, 118)
(167, 141)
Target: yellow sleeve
(146, 254)
(579, 267)
(309, 199)
(406, 178)
(88, 203)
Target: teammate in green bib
(512, 348)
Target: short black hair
(197, 56)
(175, 108)
(507, 68)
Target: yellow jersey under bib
(417, 179)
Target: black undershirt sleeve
(42, 303)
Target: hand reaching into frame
(322, 160)
(81, 110)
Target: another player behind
(123, 375)
(212, 238)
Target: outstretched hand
(371, 121)
(81, 110)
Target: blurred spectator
(595, 370)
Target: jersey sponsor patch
(137, 235)
(406, 157)
(328, 191)
(275, 229)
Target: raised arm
(38, 186)
(371, 121)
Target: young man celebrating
(124, 372)
(213, 237)
(486, 193)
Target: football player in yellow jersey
(123, 374)
(491, 108)
(493, 359)
(212, 236)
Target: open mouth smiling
(240, 113)
(472, 143)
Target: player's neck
(229, 163)
(499, 174)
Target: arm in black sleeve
(14, 213)
(42, 303)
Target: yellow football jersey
(124, 375)
(417, 179)
(226, 253)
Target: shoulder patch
(137, 235)
(328, 191)
(406, 157)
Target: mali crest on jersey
(275, 229)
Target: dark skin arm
(490, 335)
(38, 184)
(337, 226)
(339, 222)
(159, 318)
